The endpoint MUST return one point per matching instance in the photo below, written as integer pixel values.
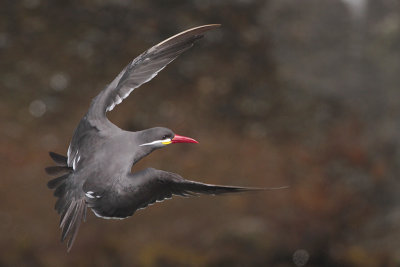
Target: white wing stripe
(117, 100)
(113, 104)
(127, 93)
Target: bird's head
(159, 137)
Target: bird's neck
(140, 152)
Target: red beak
(182, 139)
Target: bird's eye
(164, 137)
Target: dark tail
(59, 184)
(71, 208)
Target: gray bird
(97, 170)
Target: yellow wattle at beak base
(166, 142)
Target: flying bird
(96, 173)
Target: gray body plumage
(97, 170)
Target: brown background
(300, 93)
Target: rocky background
(300, 93)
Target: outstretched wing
(148, 186)
(142, 69)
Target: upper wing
(146, 187)
(142, 69)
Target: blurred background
(300, 93)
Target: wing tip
(199, 30)
(224, 189)
(212, 25)
(249, 189)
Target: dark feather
(61, 205)
(58, 170)
(59, 159)
(57, 181)
(208, 189)
(60, 190)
